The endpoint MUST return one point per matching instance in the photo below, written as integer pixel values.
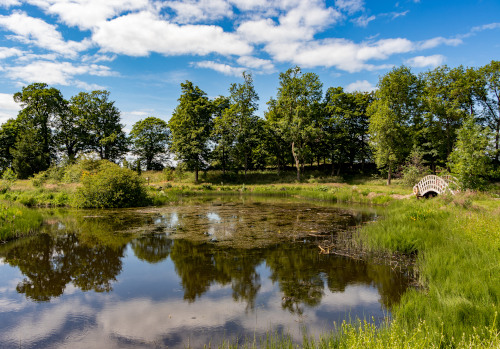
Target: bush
(111, 186)
(73, 173)
(8, 178)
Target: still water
(186, 275)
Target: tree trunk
(389, 174)
(297, 162)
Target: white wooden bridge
(432, 185)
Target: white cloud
(9, 3)
(340, 53)
(8, 108)
(489, 26)
(87, 14)
(399, 14)
(7, 52)
(35, 31)
(363, 20)
(438, 41)
(57, 73)
(350, 6)
(425, 61)
(200, 10)
(256, 63)
(220, 67)
(121, 36)
(360, 85)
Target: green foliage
(100, 120)
(150, 139)
(414, 169)
(74, 172)
(469, 160)
(296, 112)
(111, 186)
(395, 109)
(8, 179)
(8, 136)
(191, 125)
(16, 221)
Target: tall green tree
(395, 115)
(297, 109)
(469, 160)
(40, 106)
(222, 134)
(70, 134)
(490, 74)
(191, 125)
(345, 126)
(241, 116)
(149, 138)
(450, 95)
(28, 154)
(8, 136)
(100, 119)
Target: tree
(394, 118)
(491, 101)
(28, 154)
(469, 160)
(101, 122)
(242, 119)
(222, 133)
(297, 109)
(40, 106)
(8, 136)
(450, 95)
(70, 134)
(150, 139)
(191, 125)
(345, 125)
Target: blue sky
(141, 50)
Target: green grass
(17, 221)
(458, 252)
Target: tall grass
(458, 261)
(17, 221)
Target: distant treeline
(443, 119)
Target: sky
(142, 50)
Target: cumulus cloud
(9, 3)
(200, 10)
(57, 73)
(425, 61)
(121, 36)
(87, 14)
(7, 52)
(35, 31)
(264, 65)
(438, 41)
(225, 69)
(361, 86)
(340, 53)
(8, 108)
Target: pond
(185, 275)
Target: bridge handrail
(436, 184)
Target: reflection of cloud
(42, 324)
(8, 305)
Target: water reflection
(207, 270)
(50, 263)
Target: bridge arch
(432, 185)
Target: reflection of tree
(297, 272)
(196, 266)
(50, 263)
(152, 248)
(201, 265)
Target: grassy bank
(17, 221)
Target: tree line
(442, 119)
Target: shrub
(73, 173)
(8, 178)
(111, 186)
